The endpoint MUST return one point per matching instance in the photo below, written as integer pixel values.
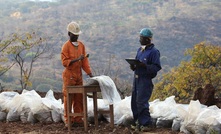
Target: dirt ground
(59, 128)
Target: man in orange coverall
(74, 59)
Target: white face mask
(75, 43)
(143, 47)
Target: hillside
(110, 30)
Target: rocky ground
(59, 128)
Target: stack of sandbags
(30, 107)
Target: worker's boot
(135, 126)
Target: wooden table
(84, 90)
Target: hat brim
(77, 33)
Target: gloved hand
(141, 64)
(78, 59)
(132, 67)
(81, 57)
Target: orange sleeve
(85, 63)
(65, 58)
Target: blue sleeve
(154, 65)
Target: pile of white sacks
(30, 107)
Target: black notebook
(132, 61)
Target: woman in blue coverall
(144, 72)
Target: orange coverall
(72, 75)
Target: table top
(80, 89)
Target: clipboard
(132, 61)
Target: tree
(203, 68)
(25, 51)
(4, 44)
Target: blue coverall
(142, 84)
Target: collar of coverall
(75, 43)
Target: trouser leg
(65, 106)
(144, 89)
(78, 107)
(133, 102)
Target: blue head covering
(146, 32)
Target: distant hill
(111, 28)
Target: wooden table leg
(85, 111)
(69, 111)
(95, 109)
(111, 115)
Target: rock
(205, 95)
